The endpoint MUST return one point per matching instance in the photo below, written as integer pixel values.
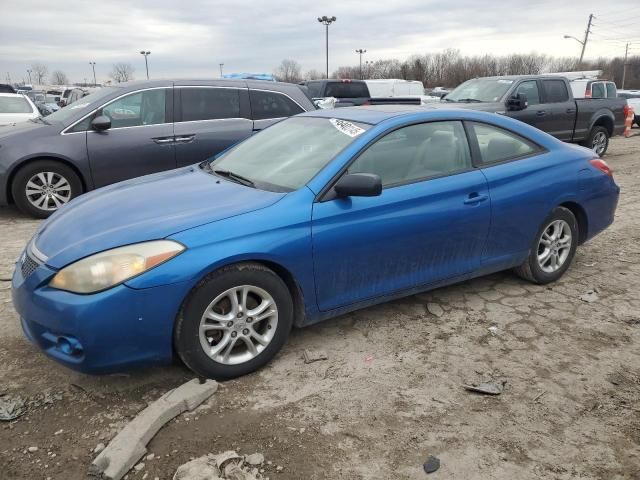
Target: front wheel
(234, 322)
(553, 248)
(598, 140)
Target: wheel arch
(37, 158)
(581, 217)
(604, 120)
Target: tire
(213, 296)
(532, 269)
(599, 135)
(45, 175)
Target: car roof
(374, 114)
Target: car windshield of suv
(480, 90)
(346, 90)
(287, 155)
(81, 107)
(14, 105)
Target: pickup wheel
(41, 187)
(598, 140)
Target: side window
(597, 90)
(611, 90)
(272, 105)
(209, 103)
(416, 152)
(530, 90)
(555, 91)
(497, 145)
(141, 108)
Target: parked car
(349, 93)
(633, 99)
(6, 88)
(320, 214)
(16, 108)
(593, 88)
(130, 130)
(395, 88)
(546, 102)
(75, 95)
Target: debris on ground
(130, 445)
(224, 466)
(431, 465)
(495, 331)
(589, 297)
(311, 356)
(488, 388)
(11, 407)
(435, 309)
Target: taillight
(587, 92)
(346, 80)
(602, 166)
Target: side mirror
(517, 102)
(358, 185)
(101, 123)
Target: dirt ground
(390, 393)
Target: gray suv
(130, 130)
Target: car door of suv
(560, 109)
(139, 141)
(269, 107)
(209, 119)
(430, 223)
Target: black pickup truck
(350, 93)
(546, 102)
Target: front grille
(28, 265)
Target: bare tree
(313, 75)
(122, 72)
(39, 71)
(288, 71)
(58, 77)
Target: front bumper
(105, 332)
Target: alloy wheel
(599, 143)
(554, 246)
(238, 325)
(48, 190)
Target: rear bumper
(600, 203)
(105, 332)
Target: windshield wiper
(235, 177)
(466, 100)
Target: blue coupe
(321, 214)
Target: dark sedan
(133, 129)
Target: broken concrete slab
(488, 388)
(311, 356)
(130, 445)
(223, 466)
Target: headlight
(111, 267)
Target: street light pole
(93, 67)
(624, 66)
(586, 37)
(221, 65)
(361, 51)
(146, 62)
(326, 21)
(29, 72)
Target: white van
(389, 88)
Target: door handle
(571, 110)
(541, 113)
(184, 138)
(475, 198)
(163, 140)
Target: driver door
(430, 222)
(140, 140)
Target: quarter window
(611, 90)
(530, 90)
(555, 91)
(141, 108)
(498, 145)
(209, 103)
(272, 105)
(416, 152)
(597, 90)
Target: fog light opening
(69, 346)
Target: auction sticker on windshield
(347, 128)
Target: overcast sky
(190, 38)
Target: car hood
(145, 208)
(12, 118)
(19, 129)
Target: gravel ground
(390, 393)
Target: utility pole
(326, 21)
(624, 66)
(29, 72)
(93, 66)
(221, 65)
(361, 51)
(586, 36)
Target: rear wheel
(41, 187)
(553, 248)
(234, 322)
(598, 140)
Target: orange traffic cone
(628, 121)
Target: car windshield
(480, 90)
(287, 155)
(14, 105)
(85, 104)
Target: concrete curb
(130, 444)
